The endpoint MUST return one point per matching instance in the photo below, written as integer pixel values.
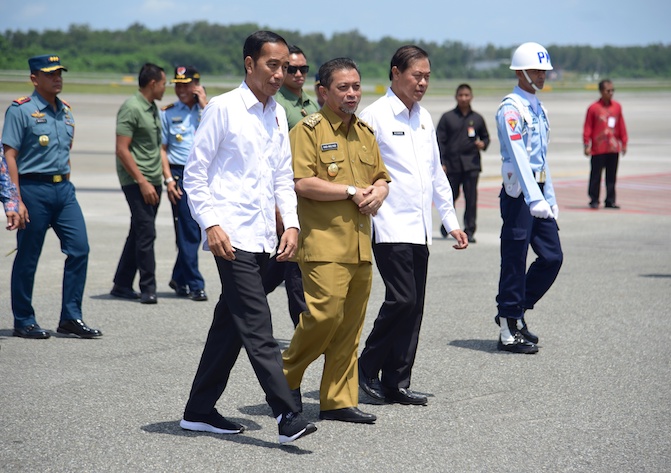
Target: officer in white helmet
(528, 205)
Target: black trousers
(138, 252)
(599, 162)
(469, 181)
(241, 318)
(290, 273)
(392, 344)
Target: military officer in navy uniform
(37, 137)
(179, 122)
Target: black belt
(52, 178)
(178, 166)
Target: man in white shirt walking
(238, 171)
(402, 227)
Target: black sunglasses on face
(293, 69)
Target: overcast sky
(476, 23)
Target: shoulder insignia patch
(365, 125)
(167, 107)
(67, 105)
(22, 100)
(312, 120)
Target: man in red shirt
(604, 136)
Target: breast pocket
(331, 166)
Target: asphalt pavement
(597, 397)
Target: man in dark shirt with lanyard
(461, 135)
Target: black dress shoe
(198, 295)
(79, 328)
(148, 298)
(519, 345)
(348, 414)
(593, 205)
(404, 396)
(31, 331)
(124, 293)
(528, 335)
(370, 386)
(471, 239)
(612, 206)
(181, 291)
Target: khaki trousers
(336, 295)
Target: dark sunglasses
(294, 69)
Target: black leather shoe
(124, 293)
(519, 345)
(593, 205)
(612, 206)
(31, 331)
(298, 399)
(181, 291)
(148, 298)
(79, 328)
(528, 335)
(370, 386)
(198, 295)
(471, 239)
(404, 396)
(348, 414)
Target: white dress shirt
(409, 149)
(239, 168)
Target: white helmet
(531, 56)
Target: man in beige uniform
(340, 181)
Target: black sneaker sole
(309, 429)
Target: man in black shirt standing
(461, 135)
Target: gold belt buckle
(57, 178)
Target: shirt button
(361, 225)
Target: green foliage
(217, 50)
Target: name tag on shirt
(41, 120)
(329, 146)
(398, 133)
(471, 132)
(611, 122)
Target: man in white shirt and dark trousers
(402, 227)
(239, 169)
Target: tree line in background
(217, 49)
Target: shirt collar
(334, 119)
(531, 98)
(397, 105)
(149, 105)
(249, 99)
(42, 104)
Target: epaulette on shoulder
(66, 104)
(312, 120)
(167, 107)
(21, 100)
(366, 126)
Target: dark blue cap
(46, 63)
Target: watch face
(351, 191)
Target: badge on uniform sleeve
(333, 169)
(512, 122)
(44, 140)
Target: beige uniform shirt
(322, 146)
